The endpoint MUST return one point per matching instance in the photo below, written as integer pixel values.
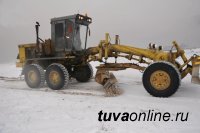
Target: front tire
(161, 79)
(57, 76)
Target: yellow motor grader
(66, 56)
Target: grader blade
(196, 71)
(108, 80)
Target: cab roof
(64, 18)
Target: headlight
(80, 17)
(89, 20)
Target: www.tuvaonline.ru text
(150, 115)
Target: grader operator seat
(66, 33)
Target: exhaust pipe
(37, 36)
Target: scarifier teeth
(101, 76)
(108, 84)
(108, 80)
(112, 90)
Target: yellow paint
(32, 76)
(160, 80)
(18, 64)
(22, 53)
(54, 77)
(196, 61)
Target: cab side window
(59, 30)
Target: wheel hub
(54, 77)
(160, 80)
(32, 76)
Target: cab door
(59, 34)
(69, 34)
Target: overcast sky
(138, 22)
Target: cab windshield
(80, 37)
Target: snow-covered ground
(74, 110)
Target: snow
(74, 110)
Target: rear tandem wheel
(57, 76)
(34, 75)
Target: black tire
(83, 73)
(170, 73)
(34, 76)
(62, 76)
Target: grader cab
(66, 56)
